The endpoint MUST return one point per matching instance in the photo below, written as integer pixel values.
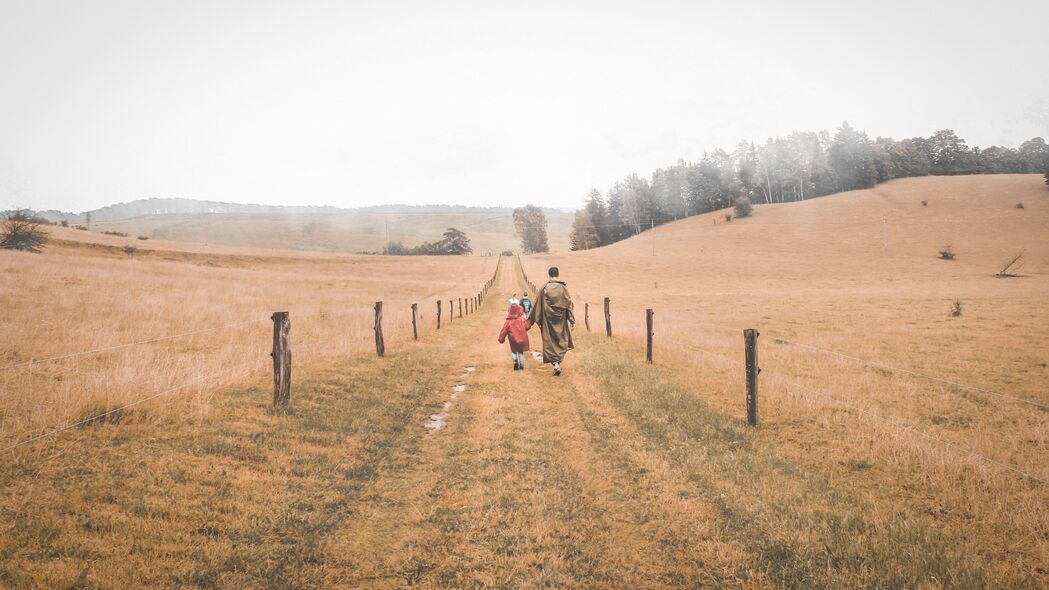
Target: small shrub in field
(80, 227)
(1019, 205)
(64, 223)
(947, 253)
(743, 207)
(143, 237)
(130, 250)
(115, 233)
(956, 308)
(728, 217)
(925, 203)
(508, 253)
(22, 231)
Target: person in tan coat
(553, 312)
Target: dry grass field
(347, 233)
(437, 466)
(897, 469)
(85, 294)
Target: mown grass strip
(247, 499)
(801, 524)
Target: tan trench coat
(553, 312)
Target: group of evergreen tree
(800, 166)
(453, 242)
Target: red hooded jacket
(516, 327)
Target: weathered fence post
(451, 310)
(750, 342)
(460, 307)
(608, 318)
(586, 316)
(415, 323)
(648, 325)
(281, 359)
(380, 345)
(438, 314)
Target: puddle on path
(439, 421)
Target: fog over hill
(184, 206)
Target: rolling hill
(902, 437)
(325, 229)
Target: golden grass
(617, 474)
(829, 273)
(81, 296)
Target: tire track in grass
(247, 499)
(800, 526)
(663, 506)
(517, 490)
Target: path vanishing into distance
(440, 466)
(532, 481)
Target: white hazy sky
(478, 103)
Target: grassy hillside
(84, 293)
(859, 274)
(342, 232)
(438, 466)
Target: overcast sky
(482, 103)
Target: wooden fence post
(415, 323)
(380, 345)
(438, 314)
(460, 307)
(451, 310)
(648, 325)
(281, 359)
(750, 342)
(608, 318)
(586, 316)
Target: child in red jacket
(516, 327)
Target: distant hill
(181, 206)
(327, 229)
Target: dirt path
(530, 482)
(436, 466)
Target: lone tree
(455, 242)
(20, 230)
(530, 226)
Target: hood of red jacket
(516, 311)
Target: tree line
(801, 166)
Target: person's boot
(557, 369)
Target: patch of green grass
(246, 499)
(802, 525)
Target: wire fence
(314, 347)
(877, 417)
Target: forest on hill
(801, 166)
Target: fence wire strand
(123, 407)
(71, 355)
(907, 427)
(879, 365)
